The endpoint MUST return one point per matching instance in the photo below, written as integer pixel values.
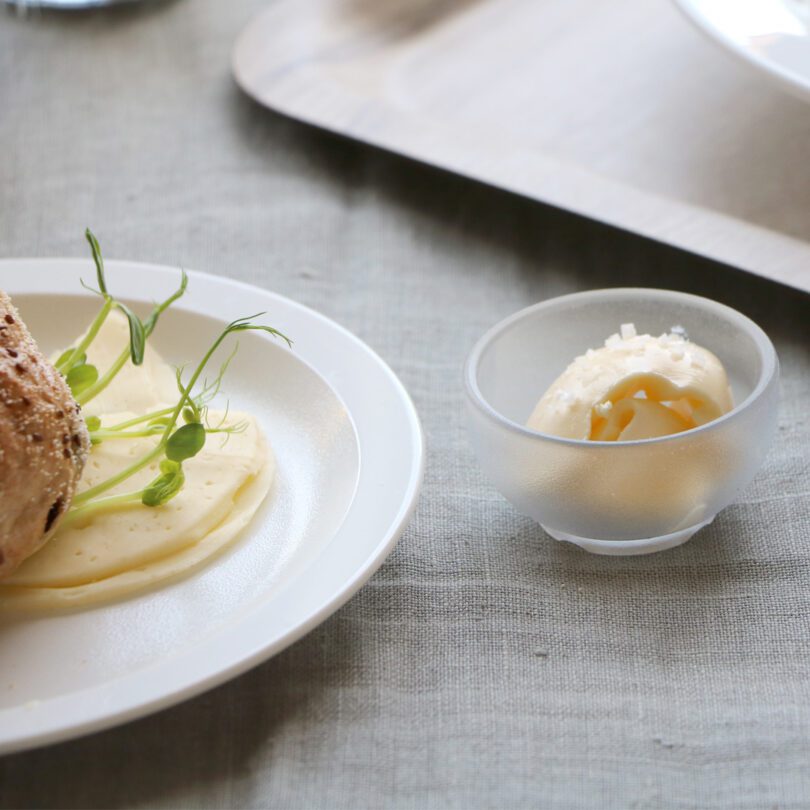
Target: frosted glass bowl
(618, 497)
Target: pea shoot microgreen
(86, 382)
(176, 443)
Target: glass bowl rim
(767, 352)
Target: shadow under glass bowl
(618, 497)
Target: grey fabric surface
(484, 665)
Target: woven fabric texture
(485, 665)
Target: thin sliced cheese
(134, 548)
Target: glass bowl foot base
(647, 545)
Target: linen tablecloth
(485, 665)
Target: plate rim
(786, 79)
(186, 688)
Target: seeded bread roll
(43, 443)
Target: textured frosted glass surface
(619, 491)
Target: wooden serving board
(619, 111)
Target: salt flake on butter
(635, 387)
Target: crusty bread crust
(43, 443)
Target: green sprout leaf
(245, 325)
(66, 355)
(126, 354)
(175, 444)
(97, 258)
(93, 424)
(163, 488)
(185, 442)
(159, 309)
(190, 415)
(81, 377)
(68, 359)
(137, 334)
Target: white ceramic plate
(771, 35)
(349, 450)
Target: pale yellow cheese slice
(134, 536)
(139, 389)
(159, 572)
(132, 549)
